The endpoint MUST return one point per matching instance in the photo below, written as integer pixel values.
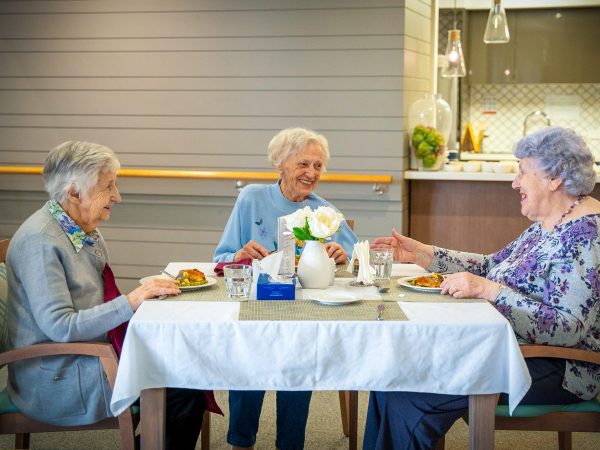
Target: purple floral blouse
(551, 290)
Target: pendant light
(455, 60)
(496, 29)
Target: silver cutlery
(168, 274)
(380, 309)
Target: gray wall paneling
(205, 85)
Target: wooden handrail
(214, 175)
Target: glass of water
(238, 279)
(381, 260)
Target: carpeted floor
(324, 432)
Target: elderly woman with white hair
(61, 289)
(300, 156)
(546, 283)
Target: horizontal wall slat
(204, 44)
(248, 64)
(291, 22)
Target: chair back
(3, 296)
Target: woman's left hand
(336, 251)
(467, 285)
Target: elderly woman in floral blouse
(546, 283)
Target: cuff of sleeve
(123, 308)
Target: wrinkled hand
(336, 251)
(406, 249)
(251, 250)
(151, 289)
(467, 285)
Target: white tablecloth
(455, 348)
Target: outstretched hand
(406, 249)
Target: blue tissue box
(267, 289)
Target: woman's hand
(467, 285)
(406, 249)
(336, 251)
(252, 250)
(152, 289)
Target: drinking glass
(381, 260)
(238, 279)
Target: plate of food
(189, 279)
(338, 298)
(425, 283)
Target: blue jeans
(416, 421)
(244, 414)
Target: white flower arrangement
(317, 225)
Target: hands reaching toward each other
(251, 250)
(336, 251)
(467, 285)
(151, 289)
(406, 249)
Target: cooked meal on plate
(191, 277)
(431, 281)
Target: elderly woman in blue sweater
(546, 283)
(300, 156)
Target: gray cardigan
(56, 294)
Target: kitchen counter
(462, 176)
(475, 212)
(470, 156)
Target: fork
(380, 309)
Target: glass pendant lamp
(496, 29)
(455, 60)
(455, 66)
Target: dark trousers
(184, 411)
(292, 413)
(416, 421)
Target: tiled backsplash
(502, 108)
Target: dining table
(339, 338)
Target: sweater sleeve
(565, 307)
(231, 239)
(38, 266)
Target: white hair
(292, 140)
(77, 164)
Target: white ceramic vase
(314, 269)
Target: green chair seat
(6, 406)
(540, 410)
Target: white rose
(298, 218)
(325, 221)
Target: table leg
(353, 420)
(482, 416)
(152, 418)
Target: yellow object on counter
(470, 140)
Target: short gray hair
(561, 153)
(78, 164)
(292, 140)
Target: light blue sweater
(254, 217)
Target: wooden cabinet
(553, 45)
(473, 216)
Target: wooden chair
(581, 417)
(564, 419)
(14, 422)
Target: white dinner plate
(333, 299)
(210, 282)
(404, 282)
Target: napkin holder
(280, 289)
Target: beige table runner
(310, 310)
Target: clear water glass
(381, 260)
(238, 279)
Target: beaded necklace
(569, 210)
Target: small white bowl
(487, 166)
(472, 166)
(453, 167)
(503, 167)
